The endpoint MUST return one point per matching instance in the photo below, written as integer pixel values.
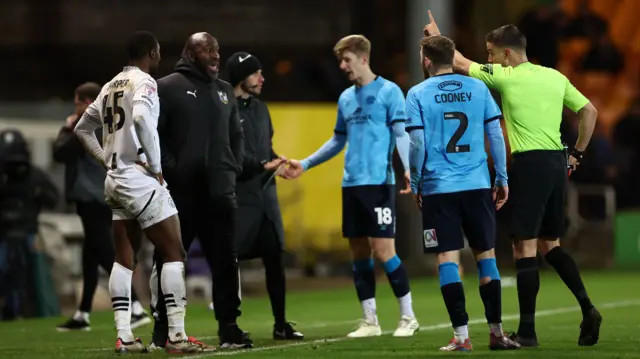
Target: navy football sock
(399, 284)
(491, 292)
(364, 278)
(453, 294)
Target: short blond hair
(358, 44)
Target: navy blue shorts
(369, 211)
(445, 216)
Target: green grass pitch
(325, 317)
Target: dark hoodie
(83, 174)
(201, 136)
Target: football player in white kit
(128, 108)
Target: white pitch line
(540, 313)
(208, 337)
(253, 324)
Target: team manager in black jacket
(259, 230)
(202, 147)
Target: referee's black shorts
(538, 188)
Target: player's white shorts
(133, 193)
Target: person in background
(24, 191)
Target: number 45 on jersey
(110, 109)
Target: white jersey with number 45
(114, 107)
(127, 109)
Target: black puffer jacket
(201, 138)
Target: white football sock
(137, 308)
(81, 316)
(461, 333)
(174, 290)
(120, 291)
(406, 306)
(369, 310)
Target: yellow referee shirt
(532, 101)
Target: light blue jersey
(370, 121)
(449, 115)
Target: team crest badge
(488, 68)
(150, 90)
(223, 97)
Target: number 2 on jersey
(112, 109)
(452, 145)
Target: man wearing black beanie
(259, 231)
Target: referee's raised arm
(533, 98)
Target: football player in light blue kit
(371, 119)
(449, 115)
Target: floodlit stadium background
(49, 47)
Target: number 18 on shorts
(369, 211)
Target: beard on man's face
(204, 67)
(425, 71)
(251, 89)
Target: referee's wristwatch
(577, 154)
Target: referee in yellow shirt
(532, 99)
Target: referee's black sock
(570, 275)
(528, 282)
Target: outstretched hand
(293, 170)
(431, 28)
(275, 163)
